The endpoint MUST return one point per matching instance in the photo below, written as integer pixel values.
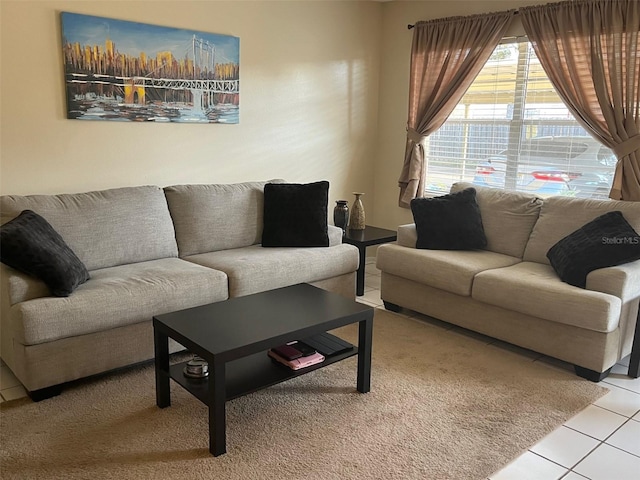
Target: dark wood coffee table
(233, 336)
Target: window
(512, 131)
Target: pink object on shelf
(298, 363)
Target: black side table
(363, 239)
(634, 361)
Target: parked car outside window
(545, 166)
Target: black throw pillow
(30, 244)
(606, 241)
(295, 215)
(449, 222)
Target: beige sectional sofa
(149, 251)
(510, 291)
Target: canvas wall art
(126, 71)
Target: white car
(573, 166)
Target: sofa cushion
(105, 228)
(295, 215)
(453, 271)
(209, 218)
(534, 289)
(449, 222)
(29, 244)
(119, 296)
(561, 216)
(507, 217)
(255, 269)
(606, 241)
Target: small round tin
(196, 368)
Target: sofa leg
(392, 307)
(44, 393)
(591, 374)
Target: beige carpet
(442, 406)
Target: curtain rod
(409, 27)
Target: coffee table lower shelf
(249, 374)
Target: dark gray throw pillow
(449, 222)
(606, 241)
(30, 244)
(295, 215)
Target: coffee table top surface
(244, 325)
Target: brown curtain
(446, 56)
(590, 51)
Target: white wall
(308, 100)
(324, 96)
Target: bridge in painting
(135, 87)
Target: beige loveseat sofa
(149, 251)
(510, 291)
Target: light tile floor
(600, 443)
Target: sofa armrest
(407, 235)
(18, 287)
(622, 281)
(335, 235)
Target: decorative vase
(341, 214)
(356, 219)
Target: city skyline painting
(127, 71)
